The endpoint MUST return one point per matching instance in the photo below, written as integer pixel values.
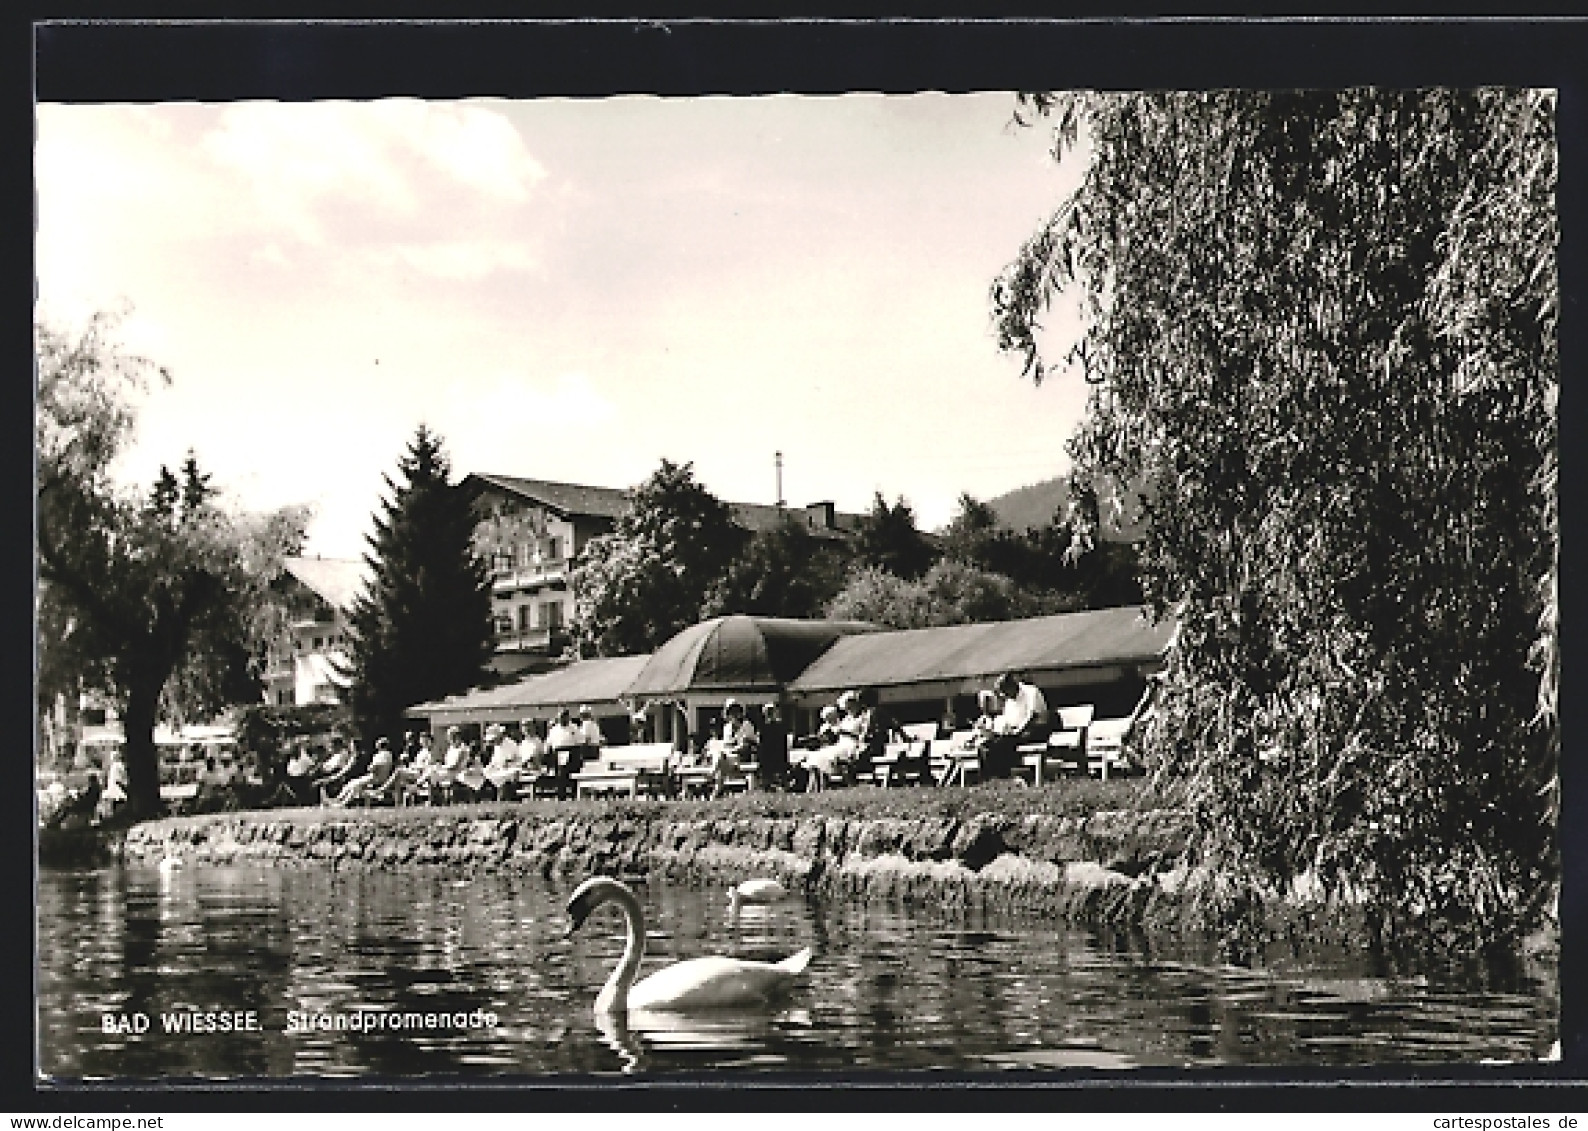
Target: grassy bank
(1068, 798)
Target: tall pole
(779, 461)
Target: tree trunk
(142, 756)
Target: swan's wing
(713, 982)
(762, 890)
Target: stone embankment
(1103, 867)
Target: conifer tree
(422, 626)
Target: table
(607, 781)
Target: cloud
(397, 160)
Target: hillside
(1034, 505)
(1038, 504)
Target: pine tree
(422, 627)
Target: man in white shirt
(1025, 708)
(1024, 718)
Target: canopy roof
(979, 652)
(739, 653)
(597, 684)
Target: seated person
(442, 774)
(737, 744)
(376, 782)
(503, 770)
(338, 769)
(1024, 719)
(532, 749)
(590, 736)
(298, 788)
(988, 708)
(832, 755)
(471, 781)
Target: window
(523, 618)
(554, 550)
(501, 563)
(504, 625)
(319, 641)
(551, 614)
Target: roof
(1098, 638)
(756, 517)
(565, 498)
(594, 682)
(335, 580)
(739, 653)
(610, 502)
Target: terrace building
(531, 533)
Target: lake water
(891, 988)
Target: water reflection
(890, 988)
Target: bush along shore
(1053, 851)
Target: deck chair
(952, 762)
(1105, 747)
(1064, 752)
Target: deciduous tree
(890, 539)
(641, 584)
(783, 572)
(1320, 331)
(149, 598)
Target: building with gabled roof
(306, 663)
(531, 532)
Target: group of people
(851, 730)
(739, 745)
(854, 730)
(496, 766)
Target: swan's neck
(614, 996)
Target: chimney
(823, 515)
(779, 459)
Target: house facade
(305, 663)
(532, 531)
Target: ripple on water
(891, 987)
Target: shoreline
(1025, 852)
(1105, 867)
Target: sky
(564, 289)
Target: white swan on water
(757, 891)
(713, 982)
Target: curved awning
(745, 654)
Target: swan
(757, 891)
(713, 982)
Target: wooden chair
(1064, 752)
(955, 762)
(1105, 747)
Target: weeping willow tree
(1320, 334)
